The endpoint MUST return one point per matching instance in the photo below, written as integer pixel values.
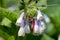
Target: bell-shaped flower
(35, 31)
(27, 27)
(21, 31)
(46, 18)
(39, 15)
(59, 37)
(19, 20)
(41, 27)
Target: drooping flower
(39, 15)
(35, 31)
(46, 18)
(21, 31)
(41, 27)
(27, 27)
(19, 20)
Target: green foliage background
(8, 29)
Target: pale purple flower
(27, 27)
(35, 30)
(21, 31)
(19, 20)
(41, 27)
(39, 15)
(46, 18)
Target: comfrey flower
(59, 37)
(35, 30)
(27, 28)
(39, 15)
(46, 18)
(41, 27)
(21, 31)
(19, 20)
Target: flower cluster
(37, 24)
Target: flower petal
(19, 20)
(46, 18)
(27, 29)
(21, 32)
(41, 27)
(39, 15)
(35, 27)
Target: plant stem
(25, 11)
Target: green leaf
(11, 38)
(4, 34)
(6, 22)
(26, 1)
(1, 18)
(8, 14)
(41, 3)
(50, 29)
(53, 2)
(54, 13)
(46, 37)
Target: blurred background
(10, 11)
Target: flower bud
(39, 15)
(46, 18)
(19, 20)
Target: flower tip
(21, 32)
(17, 24)
(40, 17)
(48, 21)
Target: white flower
(35, 30)
(27, 28)
(41, 27)
(21, 31)
(19, 20)
(59, 37)
(39, 15)
(46, 18)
